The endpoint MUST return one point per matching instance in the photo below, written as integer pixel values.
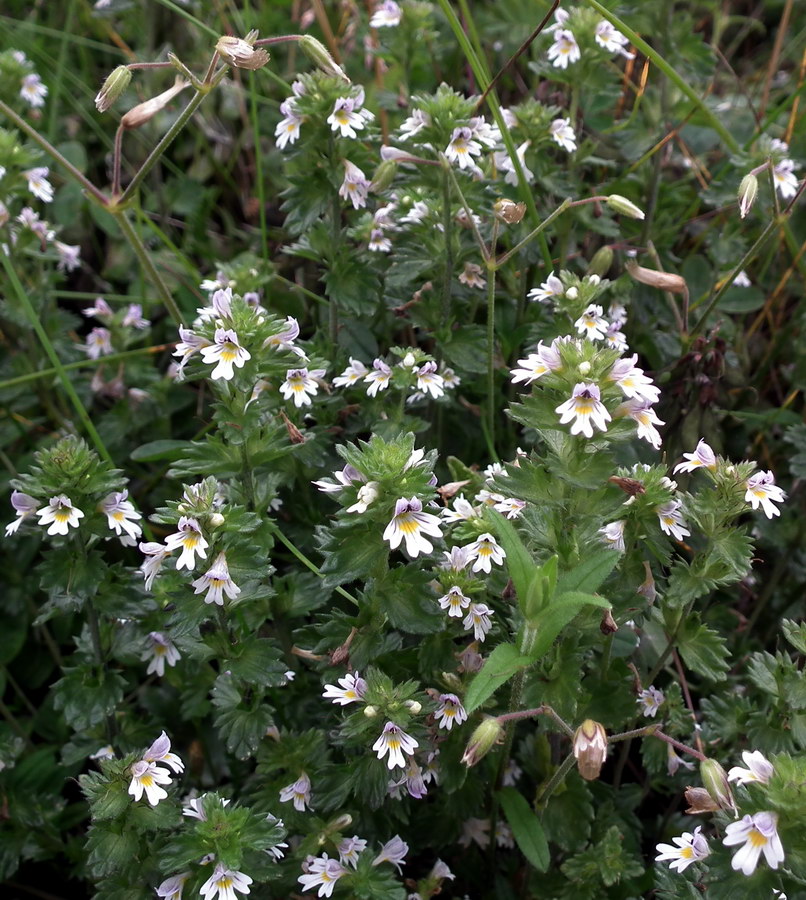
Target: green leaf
(554, 618)
(526, 828)
(258, 661)
(159, 450)
(520, 564)
(795, 633)
(87, 695)
(590, 573)
(703, 650)
(500, 666)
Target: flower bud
(116, 83)
(590, 749)
(624, 206)
(340, 823)
(508, 211)
(318, 53)
(664, 281)
(748, 191)
(608, 624)
(601, 262)
(370, 712)
(408, 360)
(3, 214)
(216, 520)
(699, 801)
(584, 367)
(141, 113)
(241, 53)
(715, 781)
(572, 293)
(384, 175)
(488, 733)
(414, 707)
(647, 586)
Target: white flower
(160, 752)
(322, 872)
(690, 849)
(378, 242)
(632, 380)
(106, 752)
(489, 135)
(387, 15)
(345, 478)
(586, 410)
(462, 148)
(611, 39)
(349, 850)
(486, 551)
(671, 520)
(38, 183)
(511, 507)
(224, 882)
(615, 339)
(147, 776)
(367, 495)
(60, 514)
(703, 456)
(352, 689)
(417, 213)
(478, 618)
(355, 185)
(415, 123)
(472, 276)
(121, 514)
(190, 539)
(299, 791)
(347, 115)
(450, 710)
(353, 373)
(591, 323)
(411, 523)
(428, 380)
(133, 317)
(673, 761)
(24, 506)
(511, 774)
(564, 50)
(551, 287)
(503, 162)
(300, 385)
(763, 491)
(69, 256)
(613, 535)
(563, 134)
(171, 888)
(616, 312)
(759, 833)
(644, 417)
(537, 364)
(395, 742)
(742, 280)
(476, 830)
(560, 18)
(462, 510)
(216, 581)
(456, 559)
(33, 91)
(393, 851)
(195, 808)
(759, 769)
(227, 352)
(287, 129)
(189, 343)
(155, 554)
(98, 343)
(160, 651)
(454, 601)
(284, 340)
(650, 700)
(783, 175)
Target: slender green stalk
(50, 350)
(492, 403)
(566, 204)
(261, 187)
(58, 82)
(447, 234)
(150, 269)
(557, 779)
(485, 253)
(543, 710)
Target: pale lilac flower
(503, 162)
(486, 551)
(189, 343)
(454, 601)
(456, 559)
(393, 851)
(482, 131)
(462, 510)
(121, 514)
(33, 91)
(608, 37)
(537, 364)
(475, 830)
(98, 343)
(615, 339)
(299, 791)
(60, 514)
(759, 769)
(345, 478)
(216, 581)
(472, 276)
(223, 883)
(478, 618)
(134, 317)
(691, 848)
(190, 539)
(633, 382)
(450, 711)
(352, 689)
(585, 409)
(415, 123)
(218, 283)
(673, 761)
(161, 650)
(560, 18)
(367, 495)
(413, 779)
(411, 523)
(227, 352)
(322, 873)
(160, 752)
(763, 491)
(24, 506)
(395, 742)
(742, 280)
(171, 888)
(551, 287)
(347, 115)
(287, 129)
(355, 185)
(284, 340)
(38, 183)
(387, 15)
(147, 777)
(512, 773)
(195, 808)
(417, 213)
(428, 380)
(503, 835)
(462, 148)
(616, 313)
(69, 256)
(613, 535)
(758, 833)
(645, 418)
(511, 507)
(155, 554)
(300, 385)
(563, 134)
(353, 373)
(564, 50)
(106, 752)
(378, 242)
(349, 850)
(702, 457)
(783, 176)
(650, 700)
(671, 520)
(591, 323)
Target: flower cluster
(148, 776)
(565, 50)
(418, 379)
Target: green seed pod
(487, 734)
(624, 206)
(319, 54)
(116, 83)
(601, 262)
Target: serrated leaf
(520, 564)
(590, 573)
(526, 828)
(551, 621)
(499, 667)
(703, 650)
(795, 633)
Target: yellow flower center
(756, 838)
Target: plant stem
(543, 710)
(556, 779)
(492, 405)
(447, 233)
